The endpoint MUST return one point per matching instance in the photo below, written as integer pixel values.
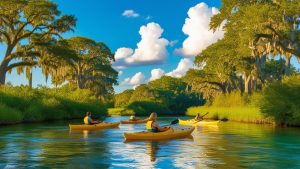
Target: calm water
(231, 145)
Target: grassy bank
(22, 104)
(233, 107)
(240, 114)
(119, 112)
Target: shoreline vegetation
(25, 105)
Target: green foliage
(29, 30)
(9, 115)
(121, 100)
(90, 69)
(234, 99)
(164, 95)
(245, 114)
(22, 104)
(120, 111)
(281, 101)
(145, 108)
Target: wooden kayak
(93, 126)
(193, 122)
(172, 133)
(134, 121)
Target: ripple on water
(230, 145)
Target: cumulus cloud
(196, 26)
(156, 74)
(130, 13)
(135, 80)
(183, 66)
(150, 50)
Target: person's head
(153, 116)
(133, 113)
(88, 113)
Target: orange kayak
(93, 126)
(134, 121)
(172, 133)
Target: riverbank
(246, 114)
(25, 105)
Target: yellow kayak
(134, 121)
(193, 122)
(93, 126)
(172, 133)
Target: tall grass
(233, 107)
(240, 114)
(22, 104)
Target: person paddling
(88, 120)
(153, 126)
(132, 117)
(199, 117)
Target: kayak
(93, 126)
(193, 122)
(134, 121)
(172, 133)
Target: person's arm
(160, 128)
(94, 121)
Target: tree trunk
(3, 68)
(287, 66)
(80, 82)
(247, 87)
(30, 80)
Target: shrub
(146, 108)
(9, 115)
(281, 101)
(42, 104)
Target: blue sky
(103, 21)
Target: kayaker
(153, 126)
(132, 117)
(88, 120)
(198, 117)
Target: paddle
(203, 116)
(172, 123)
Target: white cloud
(156, 74)
(137, 79)
(150, 50)
(120, 72)
(122, 53)
(183, 66)
(197, 28)
(173, 42)
(130, 14)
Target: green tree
(91, 69)
(122, 99)
(26, 28)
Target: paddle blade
(175, 122)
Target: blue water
(230, 145)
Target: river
(230, 145)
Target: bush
(146, 108)
(281, 101)
(42, 104)
(9, 115)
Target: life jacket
(86, 120)
(149, 125)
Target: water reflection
(231, 145)
(152, 148)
